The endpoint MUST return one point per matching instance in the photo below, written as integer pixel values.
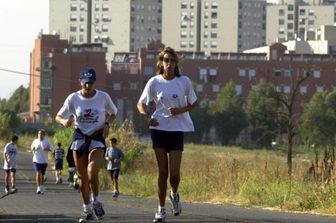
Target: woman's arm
(177, 111)
(142, 108)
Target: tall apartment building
(120, 25)
(214, 25)
(292, 19)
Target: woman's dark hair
(159, 66)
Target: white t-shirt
(10, 151)
(89, 113)
(42, 147)
(175, 93)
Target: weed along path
(61, 204)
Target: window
(213, 24)
(133, 86)
(251, 72)
(199, 88)
(214, 15)
(277, 73)
(281, 12)
(302, 12)
(104, 28)
(319, 89)
(73, 17)
(203, 74)
(183, 34)
(148, 70)
(184, 5)
(287, 89)
(215, 88)
(73, 7)
(303, 89)
(287, 73)
(116, 86)
(316, 73)
(105, 7)
(73, 28)
(239, 89)
(213, 34)
(212, 74)
(242, 72)
(183, 44)
(213, 44)
(290, 16)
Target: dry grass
(233, 175)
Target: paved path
(61, 204)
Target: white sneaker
(175, 202)
(160, 216)
(42, 189)
(38, 190)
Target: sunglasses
(168, 60)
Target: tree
(318, 126)
(262, 113)
(8, 122)
(288, 114)
(229, 115)
(202, 122)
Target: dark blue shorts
(167, 140)
(13, 170)
(115, 173)
(40, 167)
(59, 164)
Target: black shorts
(59, 164)
(13, 170)
(167, 140)
(115, 173)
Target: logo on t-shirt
(88, 116)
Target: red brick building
(130, 71)
(55, 65)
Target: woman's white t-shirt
(89, 113)
(175, 93)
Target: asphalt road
(61, 204)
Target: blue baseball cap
(88, 74)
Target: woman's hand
(175, 111)
(106, 130)
(153, 122)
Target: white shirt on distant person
(42, 147)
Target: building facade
(55, 65)
(120, 25)
(210, 73)
(54, 73)
(292, 19)
(214, 26)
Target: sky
(20, 22)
